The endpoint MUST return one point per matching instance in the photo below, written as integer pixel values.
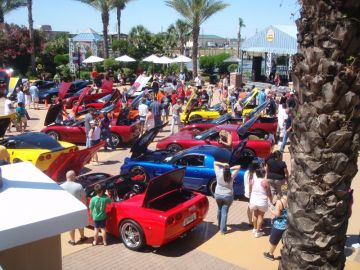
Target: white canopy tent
(125, 58)
(181, 59)
(163, 60)
(151, 58)
(93, 59)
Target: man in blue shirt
(156, 110)
(261, 97)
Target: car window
(191, 160)
(33, 141)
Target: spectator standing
(277, 80)
(98, 212)
(280, 214)
(78, 192)
(21, 117)
(156, 111)
(143, 110)
(20, 96)
(27, 94)
(283, 99)
(238, 109)
(224, 191)
(149, 120)
(261, 97)
(210, 93)
(271, 109)
(165, 106)
(9, 108)
(291, 102)
(94, 75)
(182, 77)
(95, 136)
(272, 70)
(204, 98)
(155, 86)
(198, 82)
(282, 116)
(276, 172)
(106, 132)
(34, 92)
(225, 82)
(259, 195)
(176, 111)
(287, 129)
(88, 118)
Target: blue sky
(74, 16)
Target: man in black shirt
(288, 128)
(276, 172)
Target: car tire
(195, 117)
(211, 187)
(173, 148)
(55, 135)
(139, 170)
(132, 235)
(249, 152)
(116, 139)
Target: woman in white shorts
(260, 194)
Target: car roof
(220, 154)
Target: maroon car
(122, 130)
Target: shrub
(232, 67)
(61, 59)
(85, 75)
(211, 62)
(111, 63)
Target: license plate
(189, 219)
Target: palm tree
(195, 13)
(104, 7)
(31, 34)
(181, 33)
(325, 139)
(241, 25)
(119, 5)
(7, 6)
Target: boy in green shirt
(98, 212)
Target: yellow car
(38, 148)
(190, 113)
(247, 102)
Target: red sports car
(155, 217)
(123, 131)
(262, 124)
(85, 95)
(257, 144)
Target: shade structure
(151, 58)
(93, 59)
(163, 60)
(125, 58)
(182, 59)
(232, 59)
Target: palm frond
(10, 5)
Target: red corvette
(257, 144)
(155, 217)
(122, 130)
(85, 95)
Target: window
(191, 160)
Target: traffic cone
(46, 104)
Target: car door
(75, 133)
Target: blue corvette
(199, 162)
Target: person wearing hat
(176, 111)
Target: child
(21, 117)
(98, 212)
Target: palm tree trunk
(2, 19)
(326, 134)
(195, 36)
(31, 34)
(118, 16)
(105, 21)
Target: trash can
(213, 79)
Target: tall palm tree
(181, 31)
(104, 7)
(119, 5)
(31, 34)
(241, 25)
(195, 12)
(325, 139)
(7, 6)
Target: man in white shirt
(143, 110)
(9, 108)
(20, 95)
(78, 192)
(225, 81)
(198, 81)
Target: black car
(51, 94)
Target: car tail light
(48, 156)
(41, 158)
(178, 216)
(170, 220)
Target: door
(257, 60)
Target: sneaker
(259, 234)
(254, 231)
(83, 239)
(71, 243)
(268, 256)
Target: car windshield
(221, 119)
(34, 140)
(203, 135)
(105, 98)
(174, 157)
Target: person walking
(97, 207)
(78, 192)
(176, 111)
(156, 111)
(280, 214)
(88, 118)
(276, 172)
(224, 191)
(149, 120)
(143, 110)
(259, 195)
(287, 129)
(95, 136)
(21, 117)
(26, 91)
(34, 92)
(106, 132)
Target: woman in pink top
(260, 193)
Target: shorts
(261, 208)
(35, 98)
(142, 118)
(100, 223)
(94, 142)
(275, 236)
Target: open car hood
(65, 162)
(163, 184)
(243, 129)
(258, 109)
(138, 85)
(249, 97)
(63, 89)
(140, 146)
(4, 124)
(52, 113)
(83, 94)
(107, 86)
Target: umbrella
(125, 58)
(181, 59)
(232, 59)
(93, 59)
(151, 58)
(163, 60)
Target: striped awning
(271, 40)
